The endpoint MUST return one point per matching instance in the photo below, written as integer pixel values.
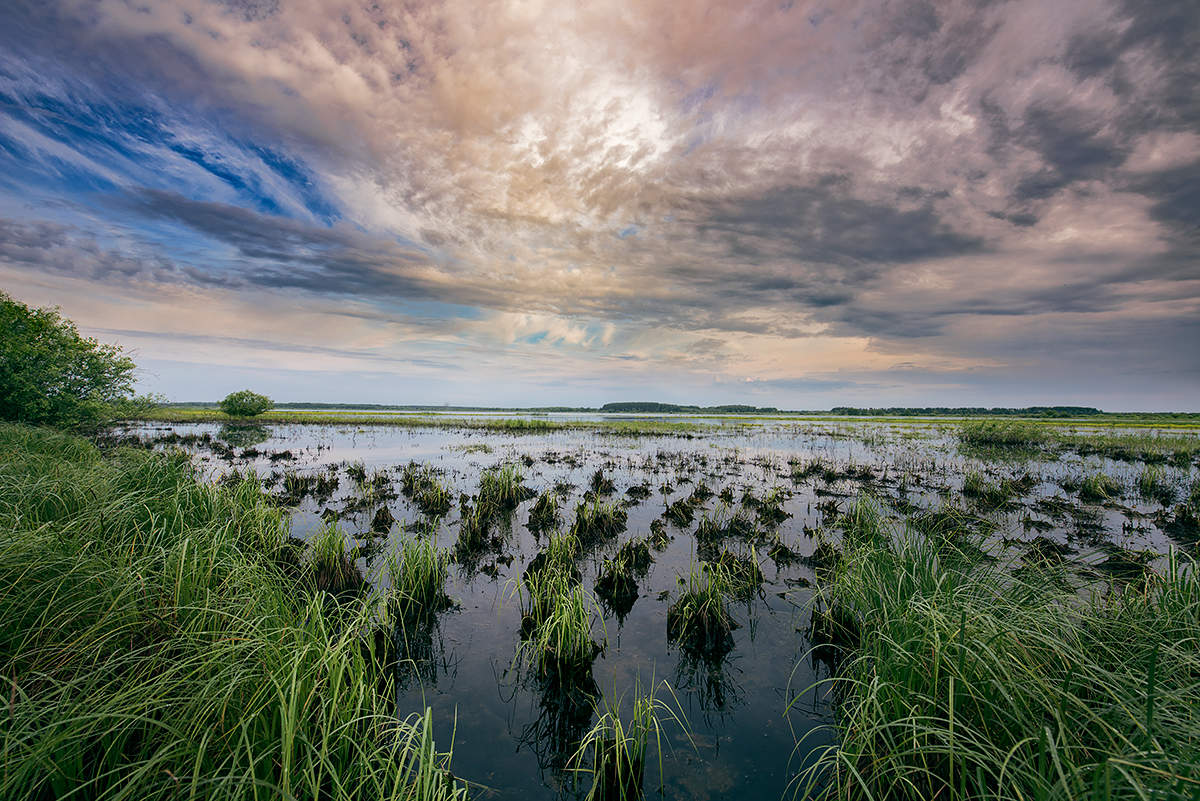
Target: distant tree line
(668, 408)
(969, 411)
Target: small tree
(245, 404)
(50, 375)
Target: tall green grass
(598, 520)
(418, 572)
(1002, 434)
(150, 648)
(699, 619)
(970, 682)
(558, 618)
(614, 750)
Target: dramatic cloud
(800, 204)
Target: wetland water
(747, 708)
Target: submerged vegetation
(597, 520)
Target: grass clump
(1152, 484)
(614, 750)
(544, 515)
(864, 522)
(950, 525)
(699, 619)
(558, 557)
(638, 493)
(617, 586)
(551, 574)
(721, 524)
(769, 506)
(152, 649)
(474, 530)
(617, 582)
(1002, 434)
(1099, 487)
(597, 521)
(967, 682)
(602, 484)
(984, 492)
(1183, 525)
(418, 572)
(331, 567)
(382, 521)
(421, 485)
(558, 626)
(742, 575)
(501, 490)
(681, 512)
(298, 486)
(636, 554)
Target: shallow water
(747, 712)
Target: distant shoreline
(682, 422)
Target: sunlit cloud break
(789, 204)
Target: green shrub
(245, 403)
(50, 375)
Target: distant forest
(671, 408)
(961, 411)
(652, 407)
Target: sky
(788, 204)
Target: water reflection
(243, 435)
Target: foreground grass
(150, 647)
(961, 681)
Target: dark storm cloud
(282, 252)
(1171, 28)
(824, 222)
(1072, 146)
(63, 249)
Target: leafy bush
(245, 403)
(50, 375)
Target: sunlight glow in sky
(538, 203)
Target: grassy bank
(963, 679)
(152, 647)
